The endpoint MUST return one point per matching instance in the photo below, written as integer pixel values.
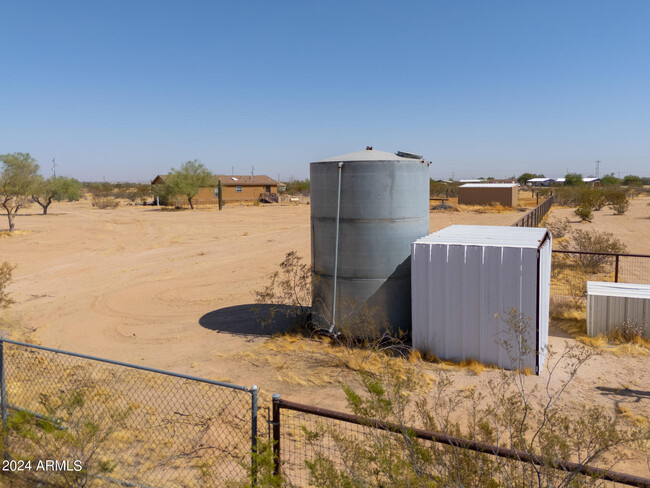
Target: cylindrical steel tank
(384, 208)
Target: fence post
(254, 390)
(616, 269)
(3, 387)
(276, 433)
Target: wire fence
(570, 271)
(81, 421)
(364, 452)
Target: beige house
(242, 188)
(236, 188)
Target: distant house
(236, 188)
(539, 182)
(242, 188)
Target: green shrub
(618, 201)
(513, 415)
(559, 228)
(585, 213)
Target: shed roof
(246, 180)
(367, 155)
(630, 290)
(488, 185)
(538, 180)
(487, 236)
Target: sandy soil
(173, 290)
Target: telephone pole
(54, 166)
(597, 167)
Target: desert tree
(187, 180)
(573, 179)
(56, 188)
(18, 178)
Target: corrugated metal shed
(611, 304)
(506, 194)
(488, 185)
(464, 275)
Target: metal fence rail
(535, 216)
(303, 433)
(570, 270)
(122, 424)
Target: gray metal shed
(609, 305)
(463, 276)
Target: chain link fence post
(3, 387)
(254, 391)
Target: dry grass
(5, 233)
(318, 361)
(481, 209)
(472, 365)
(573, 321)
(625, 412)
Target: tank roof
(367, 155)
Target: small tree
(18, 178)
(573, 179)
(53, 188)
(632, 180)
(524, 177)
(187, 180)
(610, 180)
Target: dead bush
(105, 202)
(558, 227)
(290, 286)
(596, 242)
(6, 271)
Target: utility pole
(54, 166)
(252, 170)
(597, 167)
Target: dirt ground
(173, 290)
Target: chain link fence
(76, 420)
(341, 447)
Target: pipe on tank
(336, 249)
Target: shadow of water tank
(384, 207)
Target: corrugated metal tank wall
(384, 208)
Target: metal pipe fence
(304, 434)
(534, 217)
(107, 423)
(570, 271)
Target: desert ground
(174, 289)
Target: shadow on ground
(245, 320)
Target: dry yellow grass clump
(573, 321)
(317, 361)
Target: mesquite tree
(18, 178)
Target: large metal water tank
(384, 207)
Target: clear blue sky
(124, 90)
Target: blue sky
(123, 90)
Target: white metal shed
(611, 304)
(463, 276)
